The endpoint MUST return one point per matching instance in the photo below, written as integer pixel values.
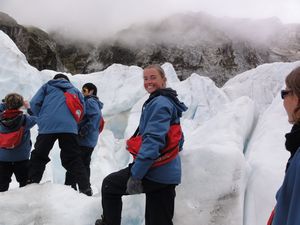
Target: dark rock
(36, 45)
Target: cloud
(95, 19)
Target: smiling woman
(154, 78)
(151, 172)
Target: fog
(97, 19)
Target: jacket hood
(100, 104)
(11, 122)
(60, 83)
(172, 95)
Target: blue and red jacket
(49, 105)
(160, 111)
(22, 151)
(287, 210)
(89, 126)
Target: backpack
(167, 154)
(270, 220)
(101, 125)
(10, 140)
(74, 105)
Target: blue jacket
(22, 151)
(2, 107)
(89, 126)
(49, 105)
(159, 112)
(287, 210)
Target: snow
(233, 159)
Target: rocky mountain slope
(39, 49)
(215, 47)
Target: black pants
(69, 155)
(85, 154)
(159, 199)
(7, 169)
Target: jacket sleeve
(30, 121)
(158, 119)
(2, 107)
(37, 100)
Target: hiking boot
(100, 221)
(88, 191)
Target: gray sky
(100, 18)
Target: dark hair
(292, 82)
(60, 76)
(13, 101)
(90, 87)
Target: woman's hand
(134, 186)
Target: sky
(102, 18)
(233, 159)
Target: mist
(95, 20)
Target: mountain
(36, 45)
(199, 43)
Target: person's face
(153, 80)
(290, 102)
(86, 92)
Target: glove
(134, 186)
(83, 131)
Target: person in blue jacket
(160, 111)
(56, 122)
(287, 209)
(14, 160)
(88, 129)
